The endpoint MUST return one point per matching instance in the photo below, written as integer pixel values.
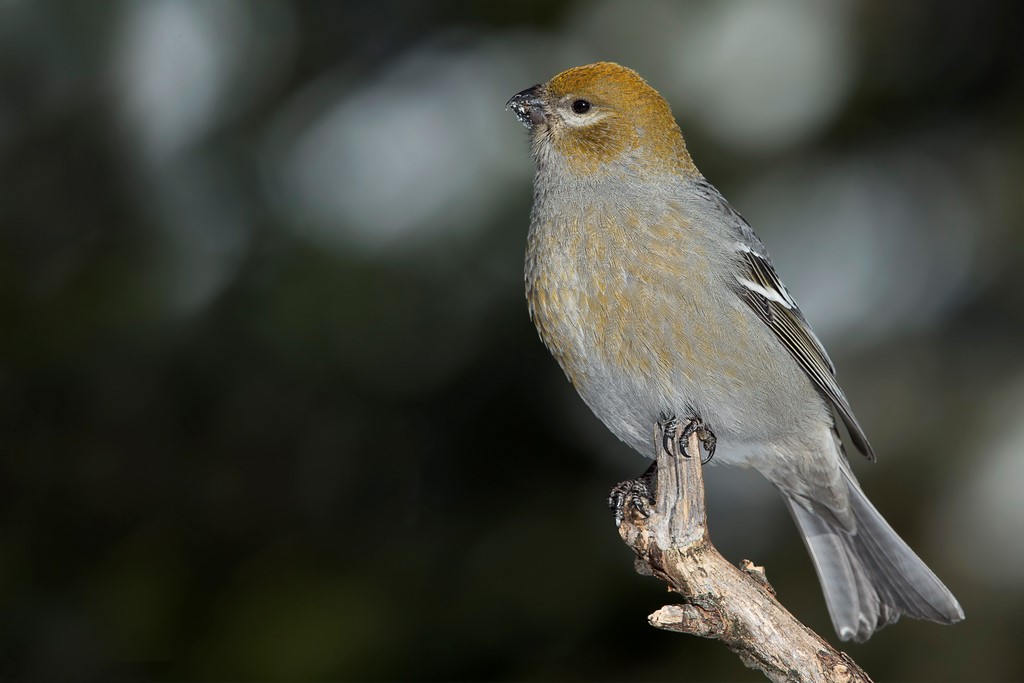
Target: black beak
(528, 106)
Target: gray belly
(638, 342)
(747, 388)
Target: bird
(657, 298)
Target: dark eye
(581, 106)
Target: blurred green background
(270, 403)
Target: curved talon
(635, 493)
(640, 505)
(704, 434)
(669, 427)
(710, 441)
(691, 428)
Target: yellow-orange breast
(608, 293)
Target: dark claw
(637, 493)
(669, 426)
(704, 433)
(710, 442)
(632, 493)
(692, 426)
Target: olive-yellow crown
(605, 113)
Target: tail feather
(870, 576)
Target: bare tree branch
(720, 601)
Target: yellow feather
(632, 113)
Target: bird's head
(601, 118)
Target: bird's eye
(581, 106)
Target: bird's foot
(704, 434)
(637, 494)
(675, 436)
(670, 433)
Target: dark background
(270, 403)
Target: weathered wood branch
(734, 605)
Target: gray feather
(786, 319)
(869, 576)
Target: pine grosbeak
(657, 298)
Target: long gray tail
(870, 576)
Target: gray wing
(759, 286)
